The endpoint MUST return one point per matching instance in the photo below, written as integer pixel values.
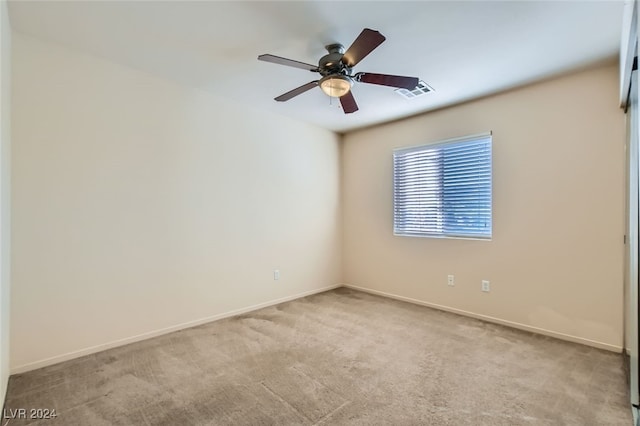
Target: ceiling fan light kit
(336, 85)
(335, 69)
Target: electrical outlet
(276, 274)
(450, 280)
(486, 285)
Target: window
(443, 189)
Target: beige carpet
(340, 357)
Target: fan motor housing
(332, 62)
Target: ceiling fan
(335, 69)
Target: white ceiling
(462, 49)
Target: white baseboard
(525, 327)
(121, 342)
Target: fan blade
(348, 103)
(297, 91)
(387, 80)
(288, 62)
(362, 46)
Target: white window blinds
(443, 189)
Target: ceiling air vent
(421, 89)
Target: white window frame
(470, 236)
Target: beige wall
(141, 206)
(556, 259)
(5, 191)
